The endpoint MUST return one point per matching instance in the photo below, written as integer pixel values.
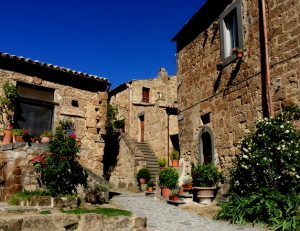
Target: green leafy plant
(111, 114)
(174, 155)
(206, 175)
(269, 158)
(168, 177)
(264, 179)
(188, 180)
(162, 162)
(65, 123)
(94, 193)
(57, 168)
(174, 192)
(143, 173)
(47, 134)
(8, 102)
(150, 184)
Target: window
(231, 31)
(146, 92)
(35, 111)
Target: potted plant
(162, 162)
(94, 193)
(18, 134)
(237, 51)
(219, 65)
(187, 182)
(175, 156)
(174, 194)
(143, 174)
(205, 179)
(168, 178)
(150, 185)
(45, 137)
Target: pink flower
(73, 135)
(10, 126)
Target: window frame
(237, 7)
(146, 99)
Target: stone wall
(17, 173)
(90, 115)
(236, 97)
(163, 95)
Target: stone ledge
(176, 203)
(12, 146)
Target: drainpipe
(168, 135)
(267, 64)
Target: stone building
(217, 107)
(149, 109)
(48, 94)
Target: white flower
(245, 156)
(296, 151)
(281, 126)
(297, 176)
(287, 131)
(265, 158)
(278, 148)
(283, 145)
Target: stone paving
(162, 216)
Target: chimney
(162, 72)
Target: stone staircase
(150, 157)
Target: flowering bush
(22, 132)
(265, 178)
(235, 50)
(270, 157)
(58, 169)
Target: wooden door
(207, 150)
(142, 128)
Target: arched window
(206, 145)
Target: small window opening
(205, 118)
(146, 92)
(96, 109)
(98, 130)
(74, 103)
(100, 102)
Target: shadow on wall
(111, 152)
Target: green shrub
(150, 184)
(162, 162)
(265, 178)
(174, 155)
(269, 158)
(168, 177)
(206, 175)
(58, 169)
(143, 173)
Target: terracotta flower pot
(219, 67)
(7, 136)
(45, 139)
(150, 189)
(142, 180)
(174, 198)
(175, 163)
(187, 186)
(18, 138)
(240, 54)
(205, 194)
(181, 191)
(165, 191)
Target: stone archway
(206, 147)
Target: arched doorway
(206, 145)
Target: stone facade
(224, 104)
(159, 115)
(89, 94)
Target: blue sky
(118, 40)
